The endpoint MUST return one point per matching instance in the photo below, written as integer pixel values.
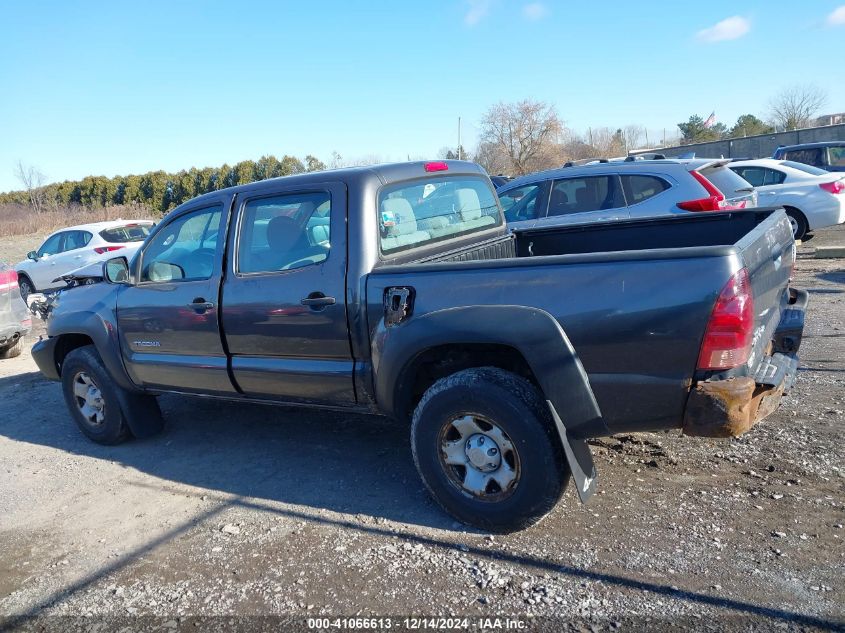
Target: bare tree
(518, 138)
(33, 181)
(634, 135)
(795, 107)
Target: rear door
(284, 298)
(580, 199)
(168, 320)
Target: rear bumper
(727, 408)
(44, 355)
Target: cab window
(284, 232)
(183, 250)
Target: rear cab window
(811, 156)
(126, 233)
(420, 212)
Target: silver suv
(622, 189)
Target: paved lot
(243, 510)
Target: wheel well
(788, 207)
(28, 278)
(441, 361)
(67, 343)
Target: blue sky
(112, 88)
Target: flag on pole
(710, 120)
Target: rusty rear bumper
(727, 408)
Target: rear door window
(412, 214)
(76, 239)
(582, 195)
(639, 188)
(284, 232)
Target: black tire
(124, 414)
(798, 221)
(517, 408)
(25, 286)
(12, 351)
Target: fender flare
(103, 333)
(533, 332)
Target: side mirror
(33, 255)
(116, 270)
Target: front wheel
(104, 411)
(486, 448)
(25, 286)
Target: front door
(168, 320)
(284, 298)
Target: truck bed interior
(681, 231)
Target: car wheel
(486, 448)
(12, 351)
(25, 286)
(91, 397)
(798, 223)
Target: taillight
(106, 249)
(730, 330)
(8, 280)
(715, 200)
(833, 187)
(436, 166)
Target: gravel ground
(241, 510)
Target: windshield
(126, 233)
(412, 214)
(809, 169)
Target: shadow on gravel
(335, 461)
(836, 276)
(340, 462)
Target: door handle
(318, 300)
(200, 305)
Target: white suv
(68, 249)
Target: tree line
(158, 191)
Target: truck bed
(633, 296)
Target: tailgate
(768, 252)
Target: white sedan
(76, 246)
(812, 198)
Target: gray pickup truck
(397, 290)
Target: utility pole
(459, 138)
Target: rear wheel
(798, 223)
(26, 287)
(485, 447)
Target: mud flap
(142, 414)
(579, 457)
